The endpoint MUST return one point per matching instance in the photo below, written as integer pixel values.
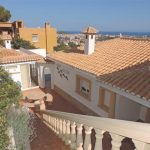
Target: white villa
(22, 65)
(112, 78)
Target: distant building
(40, 37)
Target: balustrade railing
(76, 130)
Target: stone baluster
(50, 122)
(57, 126)
(79, 141)
(87, 141)
(53, 124)
(99, 137)
(141, 145)
(55, 130)
(47, 117)
(68, 141)
(116, 141)
(73, 135)
(60, 128)
(43, 116)
(64, 130)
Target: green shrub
(10, 94)
(20, 43)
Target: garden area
(16, 122)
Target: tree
(61, 47)
(20, 43)
(10, 93)
(72, 45)
(2, 42)
(5, 14)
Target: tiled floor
(59, 103)
(46, 139)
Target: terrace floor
(46, 139)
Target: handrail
(135, 130)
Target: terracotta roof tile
(13, 56)
(111, 61)
(89, 30)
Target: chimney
(90, 33)
(7, 44)
(7, 41)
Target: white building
(110, 78)
(22, 66)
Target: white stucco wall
(42, 70)
(89, 44)
(69, 86)
(126, 109)
(41, 52)
(15, 74)
(7, 44)
(14, 71)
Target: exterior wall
(117, 106)
(25, 76)
(7, 44)
(20, 73)
(69, 86)
(41, 52)
(14, 72)
(43, 69)
(46, 37)
(126, 109)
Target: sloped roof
(112, 56)
(135, 80)
(12, 56)
(89, 30)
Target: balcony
(58, 129)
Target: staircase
(81, 132)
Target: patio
(59, 103)
(46, 139)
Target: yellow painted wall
(47, 37)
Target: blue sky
(105, 15)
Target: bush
(61, 47)
(2, 43)
(10, 94)
(5, 14)
(20, 43)
(21, 122)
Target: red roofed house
(23, 66)
(112, 78)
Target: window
(91, 36)
(35, 37)
(107, 101)
(83, 87)
(86, 36)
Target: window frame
(78, 79)
(35, 35)
(112, 102)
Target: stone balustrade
(75, 130)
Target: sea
(113, 33)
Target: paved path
(46, 139)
